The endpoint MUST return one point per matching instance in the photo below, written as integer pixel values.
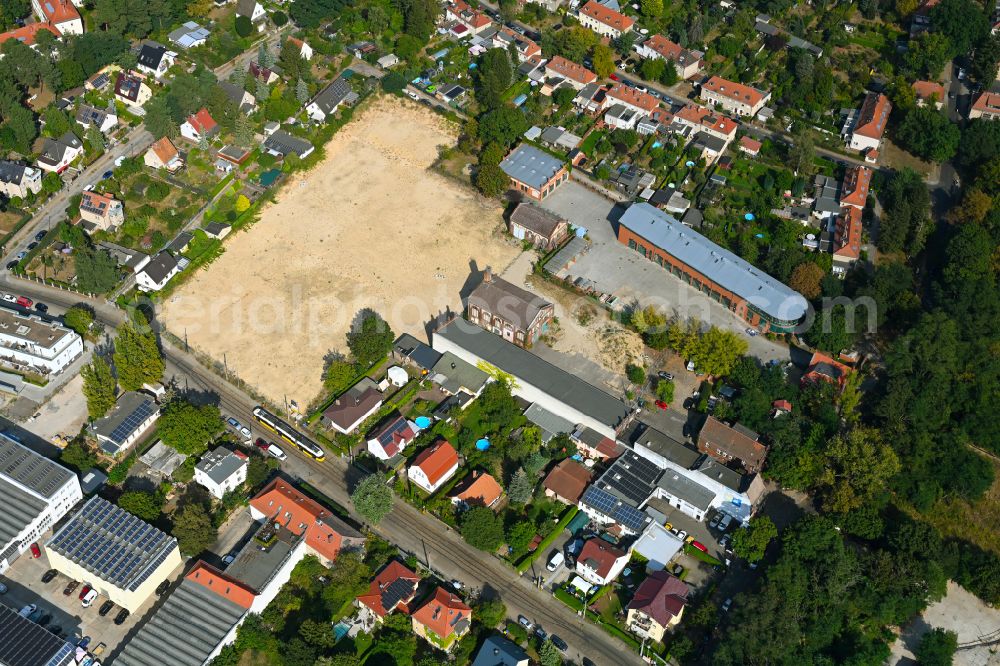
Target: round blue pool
(483, 444)
(422, 422)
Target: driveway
(615, 269)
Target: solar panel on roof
(395, 592)
(131, 422)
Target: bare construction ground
(370, 226)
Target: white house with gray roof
(104, 120)
(281, 143)
(534, 172)
(221, 471)
(29, 342)
(132, 414)
(155, 275)
(17, 179)
(189, 35)
(35, 494)
(329, 99)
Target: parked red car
(84, 592)
(661, 404)
(700, 546)
(24, 301)
(261, 444)
(36, 552)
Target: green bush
(279, 18)
(243, 26)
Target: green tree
(548, 654)
(929, 134)
(279, 19)
(137, 356)
(57, 121)
(859, 465)
(503, 125)
(806, 279)
(243, 26)
(652, 68)
(145, 505)
(665, 391)
(482, 529)
(751, 543)
(301, 91)
(78, 456)
(370, 338)
(317, 633)
(928, 54)
(372, 498)
(494, 75)
(489, 612)
(98, 387)
(905, 222)
(311, 14)
(491, 180)
(520, 534)
(635, 374)
(188, 428)
(393, 82)
(963, 22)
(498, 409)
(604, 61)
(193, 529)
(96, 271)
(937, 648)
(651, 8)
(259, 469)
(521, 488)
(339, 375)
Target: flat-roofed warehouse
(116, 553)
(535, 379)
(741, 287)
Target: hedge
(526, 561)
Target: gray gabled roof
(681, 486)
(11, 172)
(549, 423)
(332, 96)
(184, 631)
(26, 480)
(499, 651)
(531, 166)
(130, 411)
(160, 266)
(220, 464)
(284, 143)
(716, 263)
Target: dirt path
(370, 226)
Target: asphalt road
(430, 540)
(54, 210)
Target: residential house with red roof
(391, 436)
(442, 620)
(474, 20)
(163, 155)
(199, 125)
(100, 212)
(594, 445)
(574, 75)
(567, 481)
(822, 368)
(434, 466)
(631, 98)
(855, 189)
(929, 93)
(305, 51)
(600, 562)
(986, 106)
(737, 98)
(870, 123)
(605, 21)
(688, 63)
(750, 146)
(60, 14)
(392, 590)
(478, 489)
(525, 48)
(658, 604)
(326, 535)
(732, 443)
(29, 34)
(846, 239)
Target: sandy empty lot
(370, 226)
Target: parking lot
(24, 582)
(615, 269)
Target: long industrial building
(35, 493)
(749, 292)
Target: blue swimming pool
(340, 630)
(422, 422)
(483, 444)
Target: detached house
(253, 10)
(539, 227)
(17, 179)
(567, 481)
(481, 489)
(393, 589)
(100, 212)
(736, 98)
(131, 416)
(562, 70)
(605, 21)
(163, 155)
(658, 604)
(352, 407)
(305, 51)
(60, 14)
(929, 93)
(328, 100)
(57, 154)
(221, 471)
(326, 535)
(154, 59)
(246, 102)
(29, 33)
(986, 106)
(599, 562)
(199, 125)
(189, 36)
(442, 620)
(131, 91)
(636, 100)
(687, 63)
(870, 123)
(391, 436)
(90, 116)
(822, 368)
(515, 314)
(533, 172)
(725, 444)
(434, 466)
(155, 275)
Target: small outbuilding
(398, 376)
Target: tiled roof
(482, 490)
(27, 34)
(847, 233)
(661, 597)
(671, 50)
(164, 149)
(394, 433)
(202, 122)
(700, 115)
(392, 589)
(987, 102)
(855, 189)
(636, 98)
(436, 460)
(716, 435)
(925, 90)
(224, 586)
(59, 11)
(444, 614)
(568, 480)
(873, 116)
(734, 91)
(607, 16)
(570, 70)
(599, 555)
(749, 144)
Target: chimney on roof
(488, 274)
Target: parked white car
(276, 452)
(89, 599)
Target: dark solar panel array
(614, 508)
(101, 81)
(131, 422)
(112, 543)
(395, 592)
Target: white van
(275, 452)
(555, 561)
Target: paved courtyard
(615, 269)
